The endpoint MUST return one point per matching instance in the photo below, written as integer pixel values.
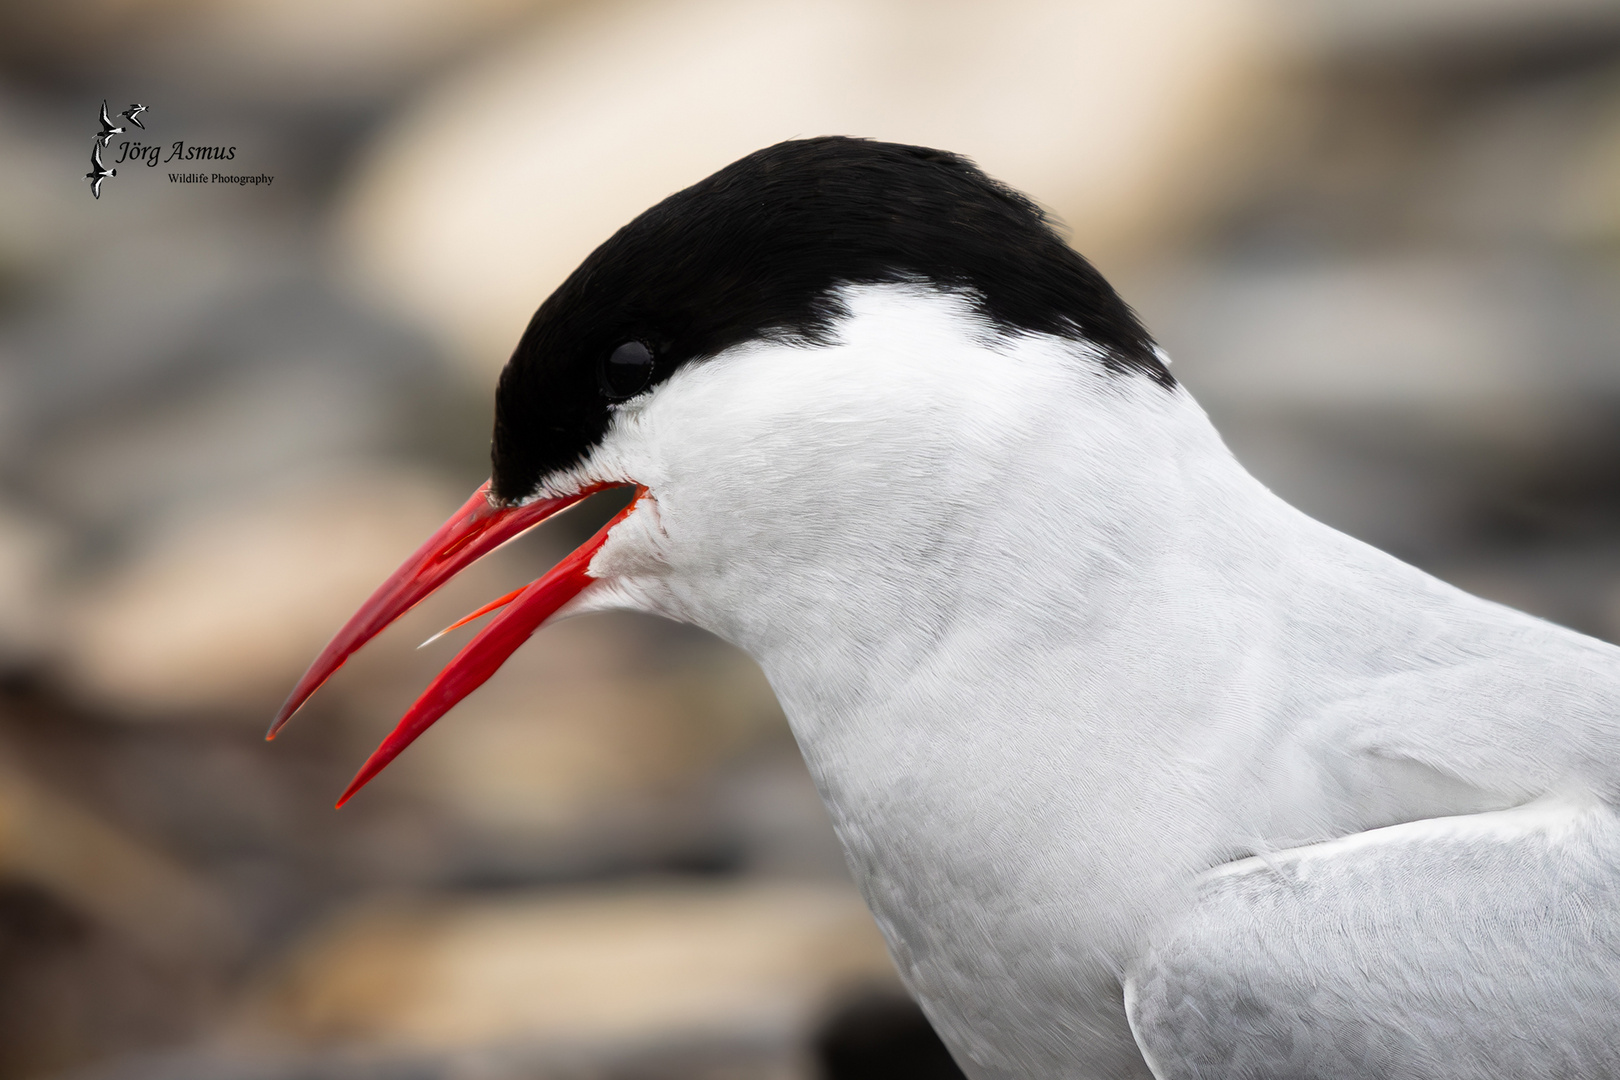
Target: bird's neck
(944, 545)
(890, 522)
(1097, 551)
(982, 667)
(996, 588)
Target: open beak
(475, 530)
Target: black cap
(758, 250)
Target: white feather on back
(1483, 947)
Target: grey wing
(1482, 946)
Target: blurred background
(1381, 240)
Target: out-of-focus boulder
(317, 50)
(29, 549)
(32, 244)
(52, 843)
(1444, 335)
(135, 467)
(302, 51)
(223, 608)
(1590, 210)
(106, 944)
(1119, 114)
(195, 356)
(594, 737)
(1440, 30)
(612, 966)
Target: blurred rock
(225, 606)
(872, 1035)
(1590, 211)
(1120, 115)
(30, 551)
(1439, 335)
(882, 1037)
(599, 969)
(303, 52)
(704, 1061)
(32, 244)
(73, 990)
(55, 844)
(105, 944)
(595, 742)
(124, 306)
(1524, 163)
(1436, 27)
(317, 50)
(222, 370)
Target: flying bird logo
(98, 172)
(99, 140)
(108, 129)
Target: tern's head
(759, 253)
(801, 335)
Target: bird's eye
(626, 371)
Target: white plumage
(1139, 769)
(1099, 719)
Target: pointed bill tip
(361, 779)
(526, 610)
(476, 529)
(480, 658)
(294, 702)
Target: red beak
(475, 530)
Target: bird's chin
(479, 527)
